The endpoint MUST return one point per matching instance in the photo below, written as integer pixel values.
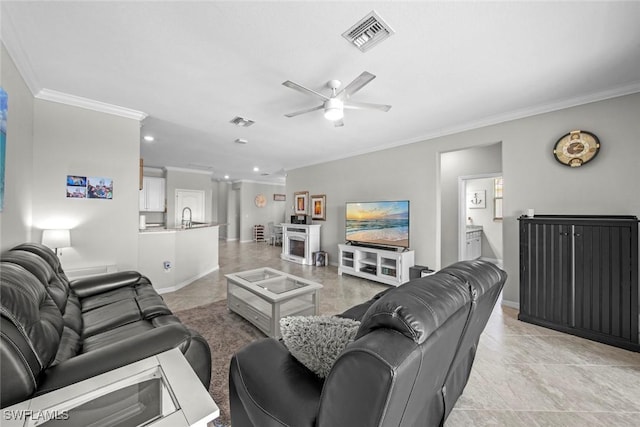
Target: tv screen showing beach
(378, 223)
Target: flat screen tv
(378, 223)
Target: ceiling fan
(335, 104)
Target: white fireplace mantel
(299, 242)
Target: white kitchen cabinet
(152, 195)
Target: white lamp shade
(56, 238)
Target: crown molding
(89, 104)
(178, 169)
(550, 107)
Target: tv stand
(381, 265)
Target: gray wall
(221, 203)
(16, 216)
(533, 178)
(250, 214)
(453, 164)
(76, 141)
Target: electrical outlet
(167, 265)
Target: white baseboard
(186, 282)
(77, 273)
(511, 304)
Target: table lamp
(56, 239)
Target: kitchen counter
(472, 228)
(172, 258)
(151, 228)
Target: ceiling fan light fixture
(333, 109)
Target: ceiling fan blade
(338, 123)
(366, 106)
(357, 84)
(296, 86)
(308, 110)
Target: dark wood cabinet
(579, 274)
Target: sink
(196, 224)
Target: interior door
(192, 199)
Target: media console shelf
(381, 265)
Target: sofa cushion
(417, 308)
(34, 264)
(31, 325)
(110, 316)
(317, 341)
(117, 334)
(115, 295)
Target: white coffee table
(263, 296)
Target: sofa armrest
(269, 387)
(113, 356)
(104, 282)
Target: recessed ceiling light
(226, 177)
(241, 141)
(148, 138)
(256, 169)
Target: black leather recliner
(56, 332)
(407, 366)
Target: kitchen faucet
(186, 223)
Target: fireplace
(297, 245)
(299, 242)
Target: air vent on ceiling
(241, 121)
(368, 32)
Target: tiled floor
(524, 375)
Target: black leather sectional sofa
(56, 332)
(407, 366)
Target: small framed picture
(477, 199)
(279, 197)
(318, 203)
(301, 200)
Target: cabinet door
(606, 300)
(152, 195)
(546, 272)
(154, 188)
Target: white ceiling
(193, 66)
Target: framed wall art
(279, 197)
(476, 199)
(318, 203)
(93, 187)
(301, 200)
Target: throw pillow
(317, 341)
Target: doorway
(480, 217)
(192, 200)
